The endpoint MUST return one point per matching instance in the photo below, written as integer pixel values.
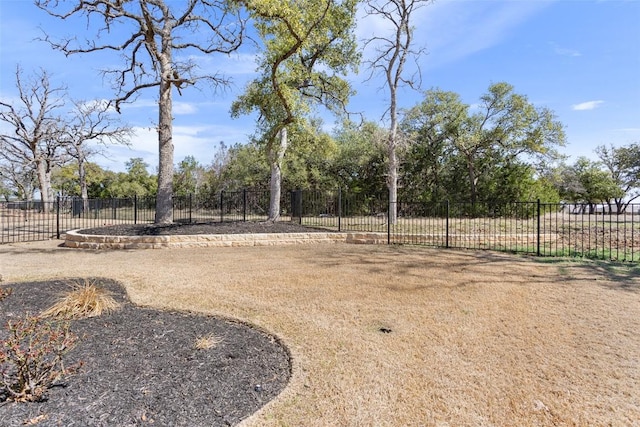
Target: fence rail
(543, 229)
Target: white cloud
(189, 130)
(453, 30)
(562, 51)
(179, 108)
(182, 108)
(200, 141)
(232, 65)
(141, 103)
(588, 105)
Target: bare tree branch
(92, 122)
(158, 29)
(391, 54)
(35, 143)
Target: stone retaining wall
(73, 239)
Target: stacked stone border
(74, 239)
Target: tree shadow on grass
(610, 274)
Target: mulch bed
(141, 366)
(238, 227)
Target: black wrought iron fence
(503, 227)
(244, 205)
(32, 221)
(340, 210)
(592, 231)
(26, 221)
(544, 229)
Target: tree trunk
(45, 194)
(392, 178)
(276, 154)
(164, 199)
(82, 176)
(473, 181)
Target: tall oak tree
(155, 39)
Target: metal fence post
(299, 201)
(339, 208)
(221, 206)
(604, 231)
(296, 205)
(58, 218)
(190, 208)
(538, 229)
(244, 204)
(447, 226)
(135, 208)
(292, 200)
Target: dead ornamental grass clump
(207, 342)
(85, 300)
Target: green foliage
(623, 164)
(103, 183)
(64, 180)
(517, 182)
(352, 158)
(306, 165)
(137, 181)
(245, 167)
(488, 154)
(359, 164)
(188, 177)
(430, 128)
(31, 357)
(587, 182)
(308, 46)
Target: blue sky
(580, 58)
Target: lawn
(389, 336)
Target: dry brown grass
(476, 338)
(84, 300)
(206, 342)
(5, 292)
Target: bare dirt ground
(390, 336)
